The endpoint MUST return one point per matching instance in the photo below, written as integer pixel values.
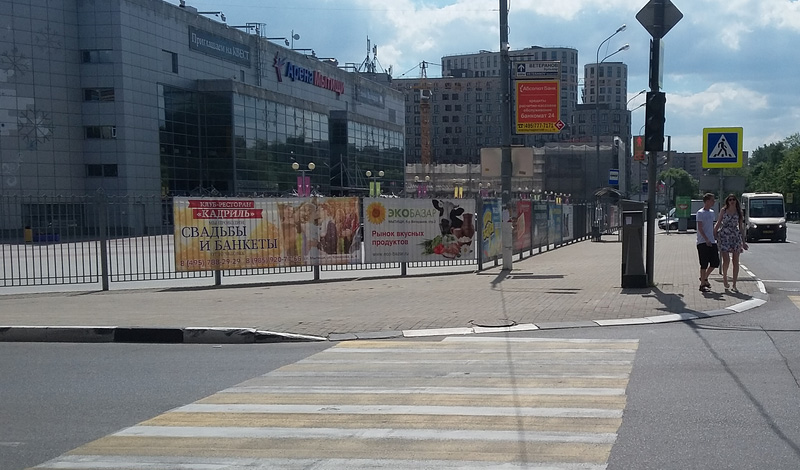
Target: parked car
(674, 222)
(662, 220)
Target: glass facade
(179, 142)
(229, 144)
(375, 149)
(269, 137)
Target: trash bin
(28, 234)
(633, 272)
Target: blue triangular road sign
(724, 149)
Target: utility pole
(505, 138)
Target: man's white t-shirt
(705, 222)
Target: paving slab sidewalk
(572, 286)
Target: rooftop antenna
(371, 63)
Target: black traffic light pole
(657, 17)
(653, 140)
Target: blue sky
(728, 63)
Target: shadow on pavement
(673, 303)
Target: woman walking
(731, 237)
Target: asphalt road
(55, 397)
(714, 393)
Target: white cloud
(717, 99)
(727, 62)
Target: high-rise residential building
(487, 64)
(604, 112)
(465, 104)
(464, 117)
(605, 96)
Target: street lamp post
(597, 93)
(634, 97)
(374, 185)
(422, 187)
(303, 181)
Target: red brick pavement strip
(573, 285)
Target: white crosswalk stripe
(463, 402)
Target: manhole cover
(493, 323)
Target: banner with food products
(402, 230)
(244, 233)
(491, 228)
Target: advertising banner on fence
(491, 225)
(521, 228)
(250, 233)
(555, 224)
(397, 230)
(567, 227)
(540, 224)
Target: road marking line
(364, 433)
(406, 410)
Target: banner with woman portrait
(245, 233)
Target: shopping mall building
(147, 98)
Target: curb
(117, 334)
(221, 335)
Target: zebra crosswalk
(461, 402)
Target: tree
(682, 183)
(774, 167)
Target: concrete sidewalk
(577, 285)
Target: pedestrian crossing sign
(722, 147)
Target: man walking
(707, 250)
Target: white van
(764, 216)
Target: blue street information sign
(722, 147)
(613, 177)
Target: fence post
(102, 207)
(479, 230)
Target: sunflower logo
(376, 213)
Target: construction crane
(424, 113)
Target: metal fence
(99, 239)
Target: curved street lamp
(634, 109)
(634, 97)
(597, 94)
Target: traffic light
(638, 148)
(654, 121)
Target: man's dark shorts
(709, 255)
